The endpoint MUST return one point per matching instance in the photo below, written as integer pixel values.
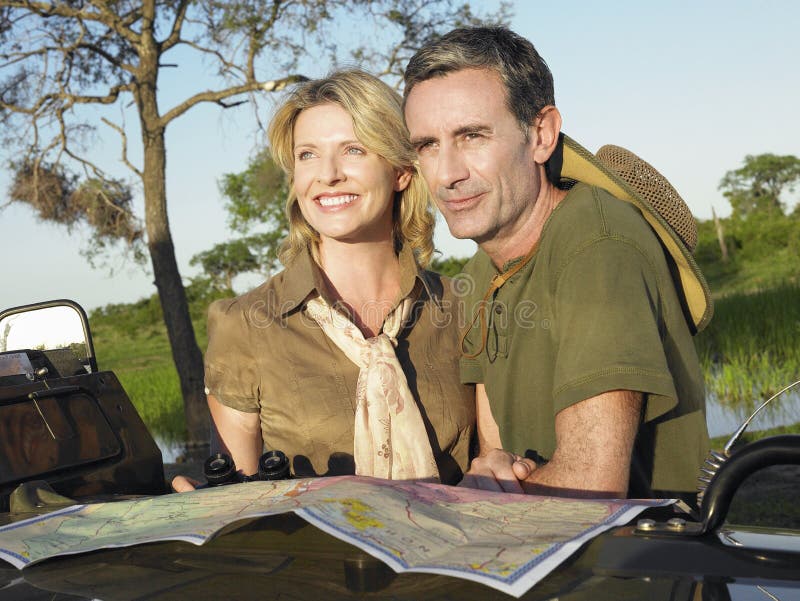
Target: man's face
(473, 155)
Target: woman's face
(344, 191)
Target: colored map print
(506, 541)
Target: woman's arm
(239, 434)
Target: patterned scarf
(390, 438)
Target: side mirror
(47, 326)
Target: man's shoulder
(589, 214)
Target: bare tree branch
(177, 25)
(62, 9)
(124, 138)
(219, 95)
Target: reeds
(751, 349)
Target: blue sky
(692, 87)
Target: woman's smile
(345, 190)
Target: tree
(255, 200)
(60, 62)
(224, 261)
(758, 186)
(449, 266)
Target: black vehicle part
(81, 434)
(365, 574)
(219, 470)
(273, 465)
(775, 450)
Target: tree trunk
(720, 236)
(171, 294)
(185, 352)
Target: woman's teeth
(333, 201)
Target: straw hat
(632, 179)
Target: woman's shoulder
(256, 305)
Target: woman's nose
(330, 171)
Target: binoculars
(219, 469)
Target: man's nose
(330, 171)
(451, 167)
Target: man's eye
(424, 147)
(473, 135)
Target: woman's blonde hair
(378, 123)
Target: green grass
(742, 277)
(751, 349)
(140, 356)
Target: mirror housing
(57, 325)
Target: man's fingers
(184, 484)
(493, 472)
(523, 468)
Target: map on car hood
(506, 541)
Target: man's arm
(491, 470)
(239, 434)
(594, 443)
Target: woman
(347, 360)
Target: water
(725, 419)
(170, 450)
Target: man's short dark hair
(527, 78)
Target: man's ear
(402, 179)
(544, 133)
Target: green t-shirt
(594, 310)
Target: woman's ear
(402, 179)
(544, 133)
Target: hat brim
(581, 165)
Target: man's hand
(184, 484)
(498, 471)
(594, 442)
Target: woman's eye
(355, 150)
(303, 155)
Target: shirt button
(498, 309)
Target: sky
(691, 87)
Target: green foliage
(143, 319)
(256, 196)
(750, 349)
(449, 266)
(759, 184)
(222, 262)
(254, 200)
(763, 251)
(761, 240)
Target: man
(587, 381)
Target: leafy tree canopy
(760, 184)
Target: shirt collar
(303, 276)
